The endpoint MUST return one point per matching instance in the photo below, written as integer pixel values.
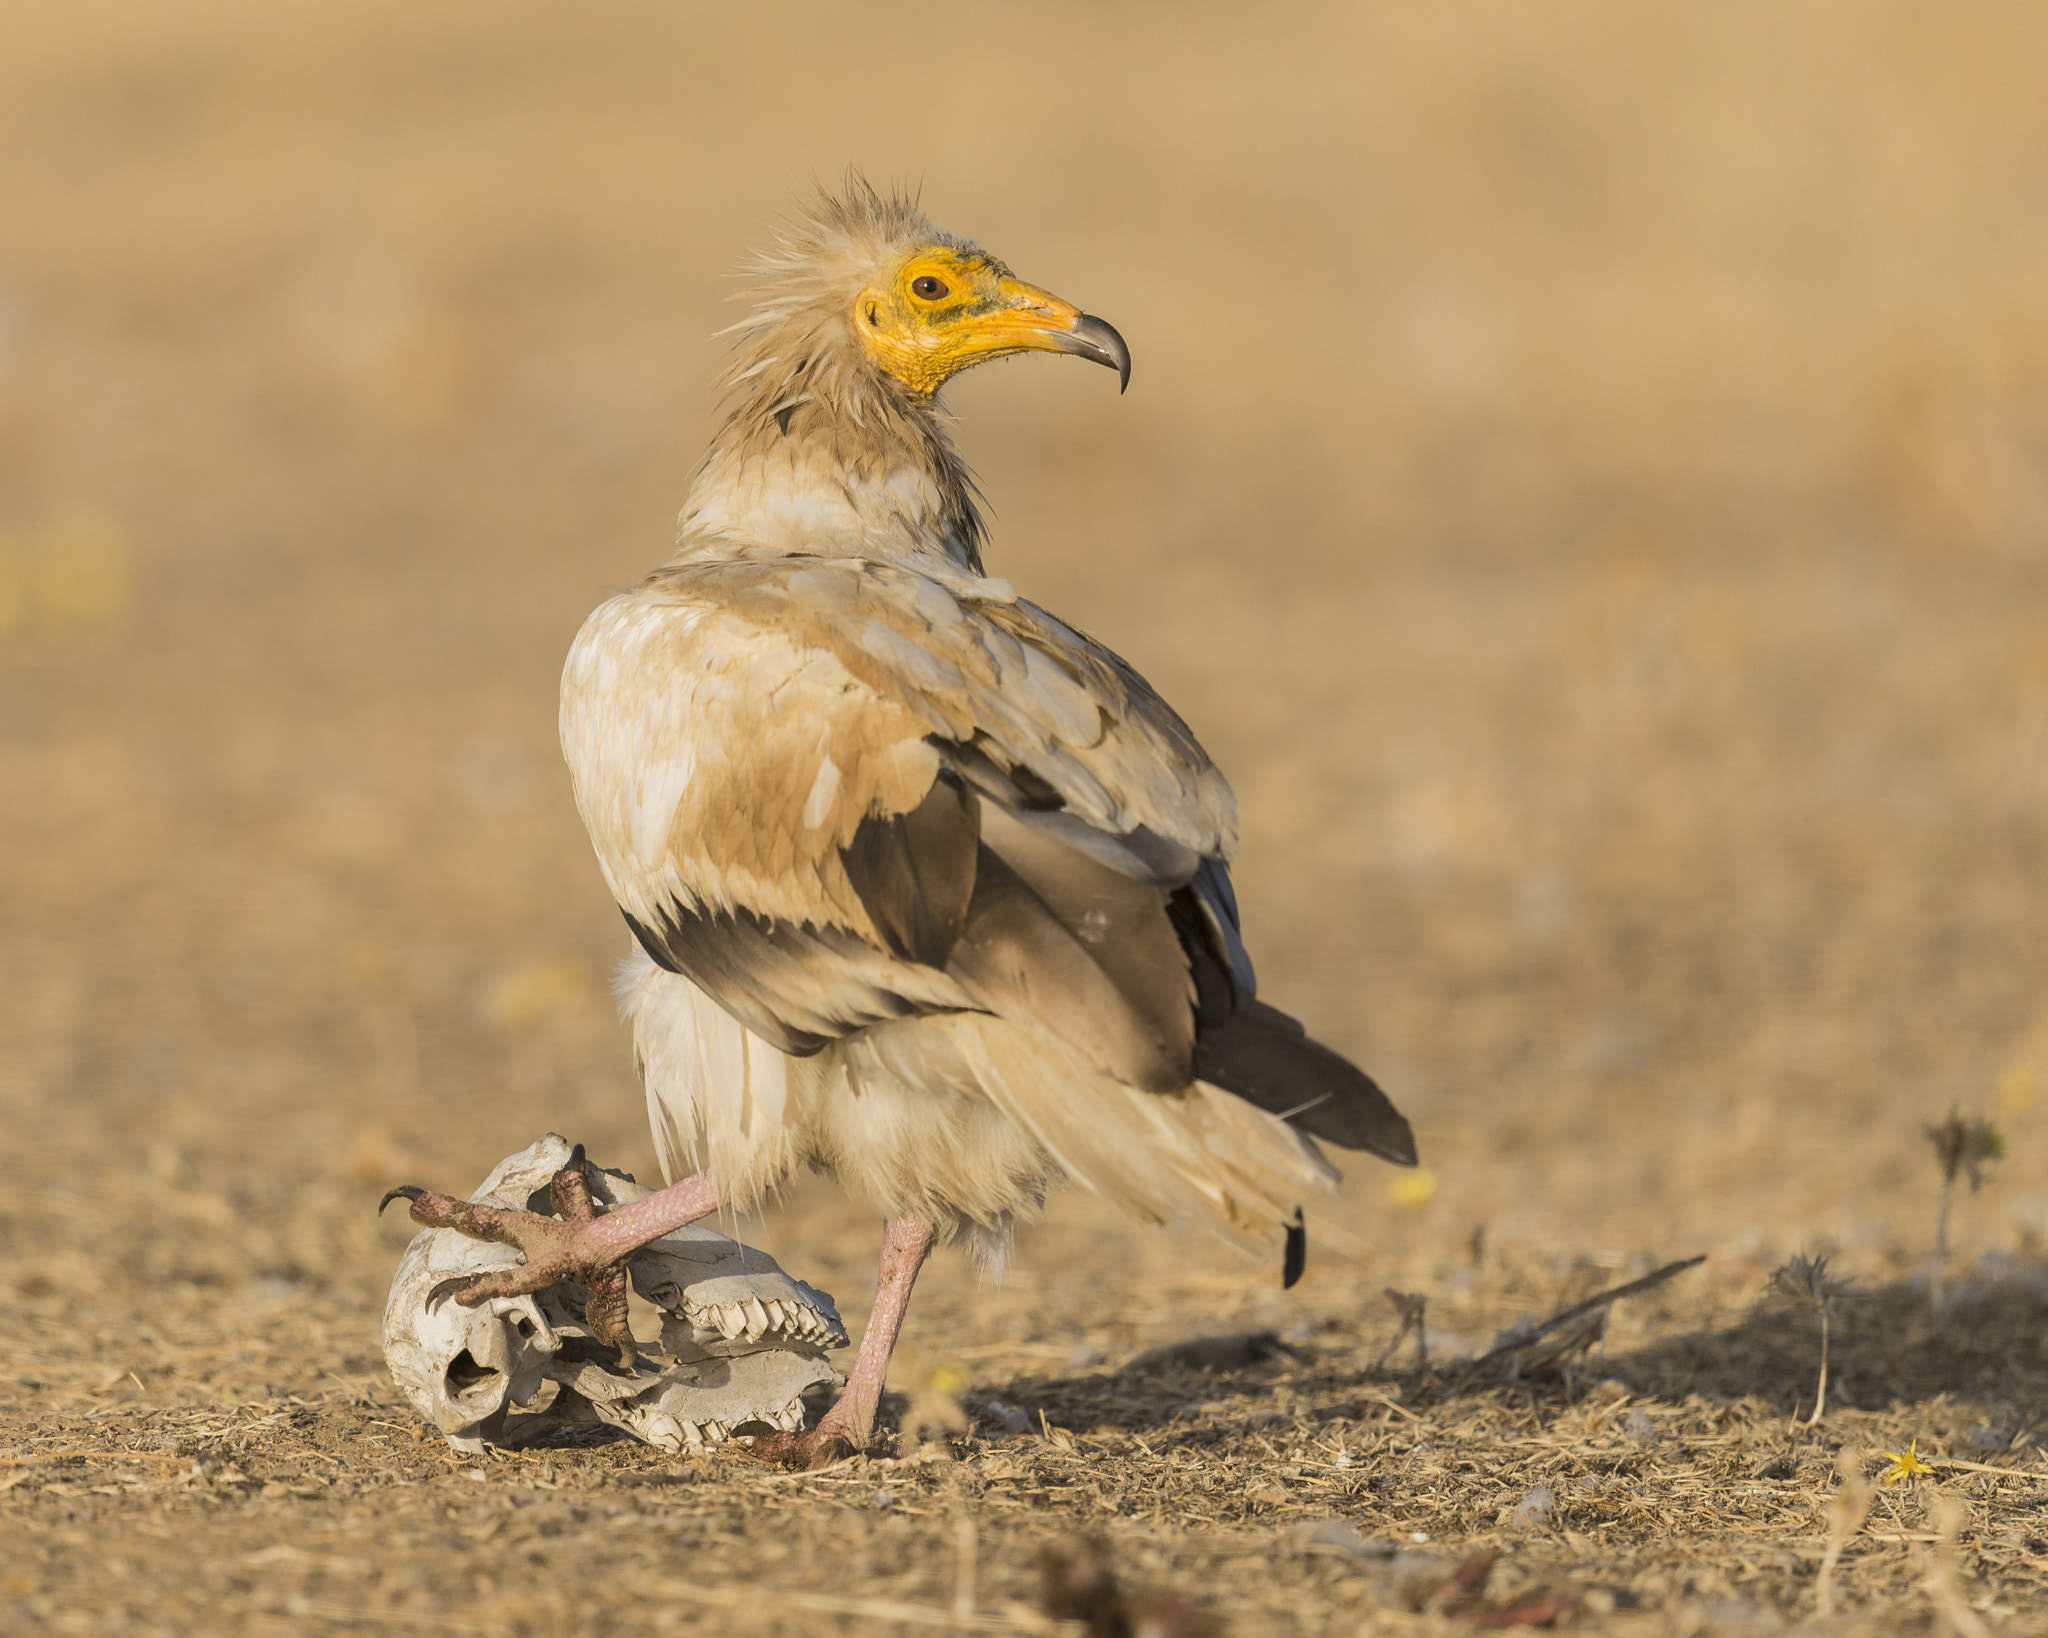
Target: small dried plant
(1413, 1309)
(1805, 1281)
(1962, 1148)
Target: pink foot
(850, 1424)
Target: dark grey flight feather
(1084, 960)
(755, 968)
(914, 872)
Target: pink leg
(850, 1423)
(624, 1230)
(580, 1246)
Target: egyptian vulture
(930, 891)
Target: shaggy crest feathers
(799, 372)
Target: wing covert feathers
(730, 725)
(833, 792)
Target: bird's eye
(928, 288)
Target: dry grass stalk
(1847, 1509)
(966, 1564)
(1961, 1148)
(1944, 1572)
(1805, 1281)
(892, 1613)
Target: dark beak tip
(1098, 339)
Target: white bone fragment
(747, 1340)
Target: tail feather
(1266, 1058)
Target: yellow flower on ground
(527, 994)
(1414, 1188)
(1906, 1464)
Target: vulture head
(943, 306)
(863, 310)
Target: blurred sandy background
(1585, 476)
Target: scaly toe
(802, 1452)
(538, 1237)
(605, 1310)
(570, 1190)
(547, 1244)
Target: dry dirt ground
(1586, 478)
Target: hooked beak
(1033, 320)
(1095, 339)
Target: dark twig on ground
(1572, 1329)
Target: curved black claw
(407, 1191)
(457, 1288)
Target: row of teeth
(790, 1419)
(753, 1319)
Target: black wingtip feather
(1266, 1058)
(1295, 1258)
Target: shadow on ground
(1984, 1361)
(1989, 1349)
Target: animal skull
(746, 1341)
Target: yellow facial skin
(943, 311)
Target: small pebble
(1343, 1535)
(1005, 1415)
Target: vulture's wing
(833, 793)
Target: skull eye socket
(465, 1373)
(927, 288)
